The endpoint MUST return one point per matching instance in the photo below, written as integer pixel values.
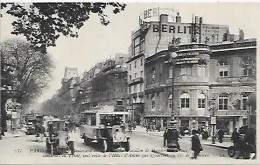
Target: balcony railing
(233, 45)
(235, 79)
(136, 81)
(232, 113)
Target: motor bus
(105, 126)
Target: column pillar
(240, 121)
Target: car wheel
(231, 151)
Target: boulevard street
(144, 145)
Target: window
(135, 75)
(223, 102)
(244, 102)
(129, 89)
(129, 66)
(141, 87)
(135, 63)
(170, 72)
(201, 70)
(153, 102)
(141, 74)
(153, 74)
(170, 101)
(141, 61)
(135, 88)
(248, 65)
(130, 77)
(185, 100)
(186, 70)
(201, 101)
(223, 68)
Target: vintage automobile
(30, 127)
(105, 126)
(58, 141)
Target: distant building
(105, 83)
(69, 89)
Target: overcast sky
(97, 42)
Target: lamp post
(213, 118)
(173, 56)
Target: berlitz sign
(153, 14)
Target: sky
(97, 42)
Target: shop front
(228, 120)
(158, 120)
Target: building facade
(104, 84)
(232, 81)
(156, 31)
(224, 73)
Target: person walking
(235, 137)
(195, 144)
(220, 135)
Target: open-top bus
(106, 127)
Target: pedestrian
(204, 134)
(165, 137)
(195, 144)
(130, 128)
(235, 137)
(220, 135)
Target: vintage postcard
(129, 82)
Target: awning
(157, 116)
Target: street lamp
(173, 56)
(213, 120)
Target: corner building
(155, 33)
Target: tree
(33, 68)
(43, 23)
(23, 69)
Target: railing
(233, 45)
(232, 113)
(235, 79)
(136, 80)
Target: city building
(232, 81)
(158, 28)
(224, 73)
(104, 84)
(69, 88)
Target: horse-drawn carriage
(58, 140)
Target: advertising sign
(213, 120)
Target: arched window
(170, 101)
(201, 100)
(185, 100)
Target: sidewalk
(225, 144)
(18, 133)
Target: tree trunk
(3, 114)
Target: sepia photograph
(129, 82)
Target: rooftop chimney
(178, 18)
(164, 18)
